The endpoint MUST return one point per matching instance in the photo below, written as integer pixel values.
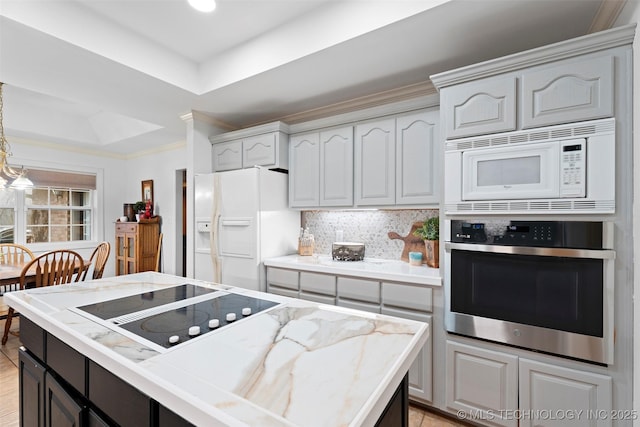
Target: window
(59, 208)
(7, 215)
(57, 215)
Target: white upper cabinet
(260, 150)
(265, 145)
(321, 172)
(417, 151)
(304, 174)
(227, 156)
(569, 91)
(375, 166)
(390, 161)
(479, 107)
(336, 167)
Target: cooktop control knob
(214, 323)
(194, 330)
(173, 339)
(231, 317)
(246, 311)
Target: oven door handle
(536, 251)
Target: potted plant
(139, 208)
(430, 233)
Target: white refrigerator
(242, 218)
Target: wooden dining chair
(158, 251)
(49, 269)
(13, 254)
(98, 259)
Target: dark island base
(61, 387)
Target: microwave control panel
(573, 158)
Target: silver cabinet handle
(529, 250)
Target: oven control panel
(557, 234)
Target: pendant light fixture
(205, 6)
(20, 181)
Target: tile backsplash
(367, 226)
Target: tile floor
(418, 417)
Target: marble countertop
(371, 268)
(296, 364)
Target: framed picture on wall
(147, 190)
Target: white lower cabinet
(570, 397)
(496, 388)
(482, 383)
(281, 281)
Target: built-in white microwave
(567, 168)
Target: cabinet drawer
(227, 156)
(282, 291)
(479, 107)
(406, 296)
(32, 337)
(322, 299)
(359, 289)
(259, 150)
(282, 278)
(125, 228)
(125, 404)
(318, 283)
(357, 305)
(67, 363)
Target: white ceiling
(116, 75)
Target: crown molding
(205, 118)
(606, 15)
(390, 96)
(582, 45)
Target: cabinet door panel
(481, 380)
(304, 170)
(375, 165)
(336, 167)
(479, 107)
(567, 92)
(556, 389)
(417, 148)
(227, 156)
(32, 392)
(61, 409)
(259, 150)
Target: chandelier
(20, 181)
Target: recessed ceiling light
(203, 5)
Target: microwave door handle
(536, 251)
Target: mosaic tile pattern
(367, 226)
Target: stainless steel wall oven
(540, 285)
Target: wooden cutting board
(411, 243)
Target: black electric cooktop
(171, 327)
(131, 304)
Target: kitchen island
(286, 363)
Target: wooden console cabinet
(136, 246)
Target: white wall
(111, 173)
(161, 167)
